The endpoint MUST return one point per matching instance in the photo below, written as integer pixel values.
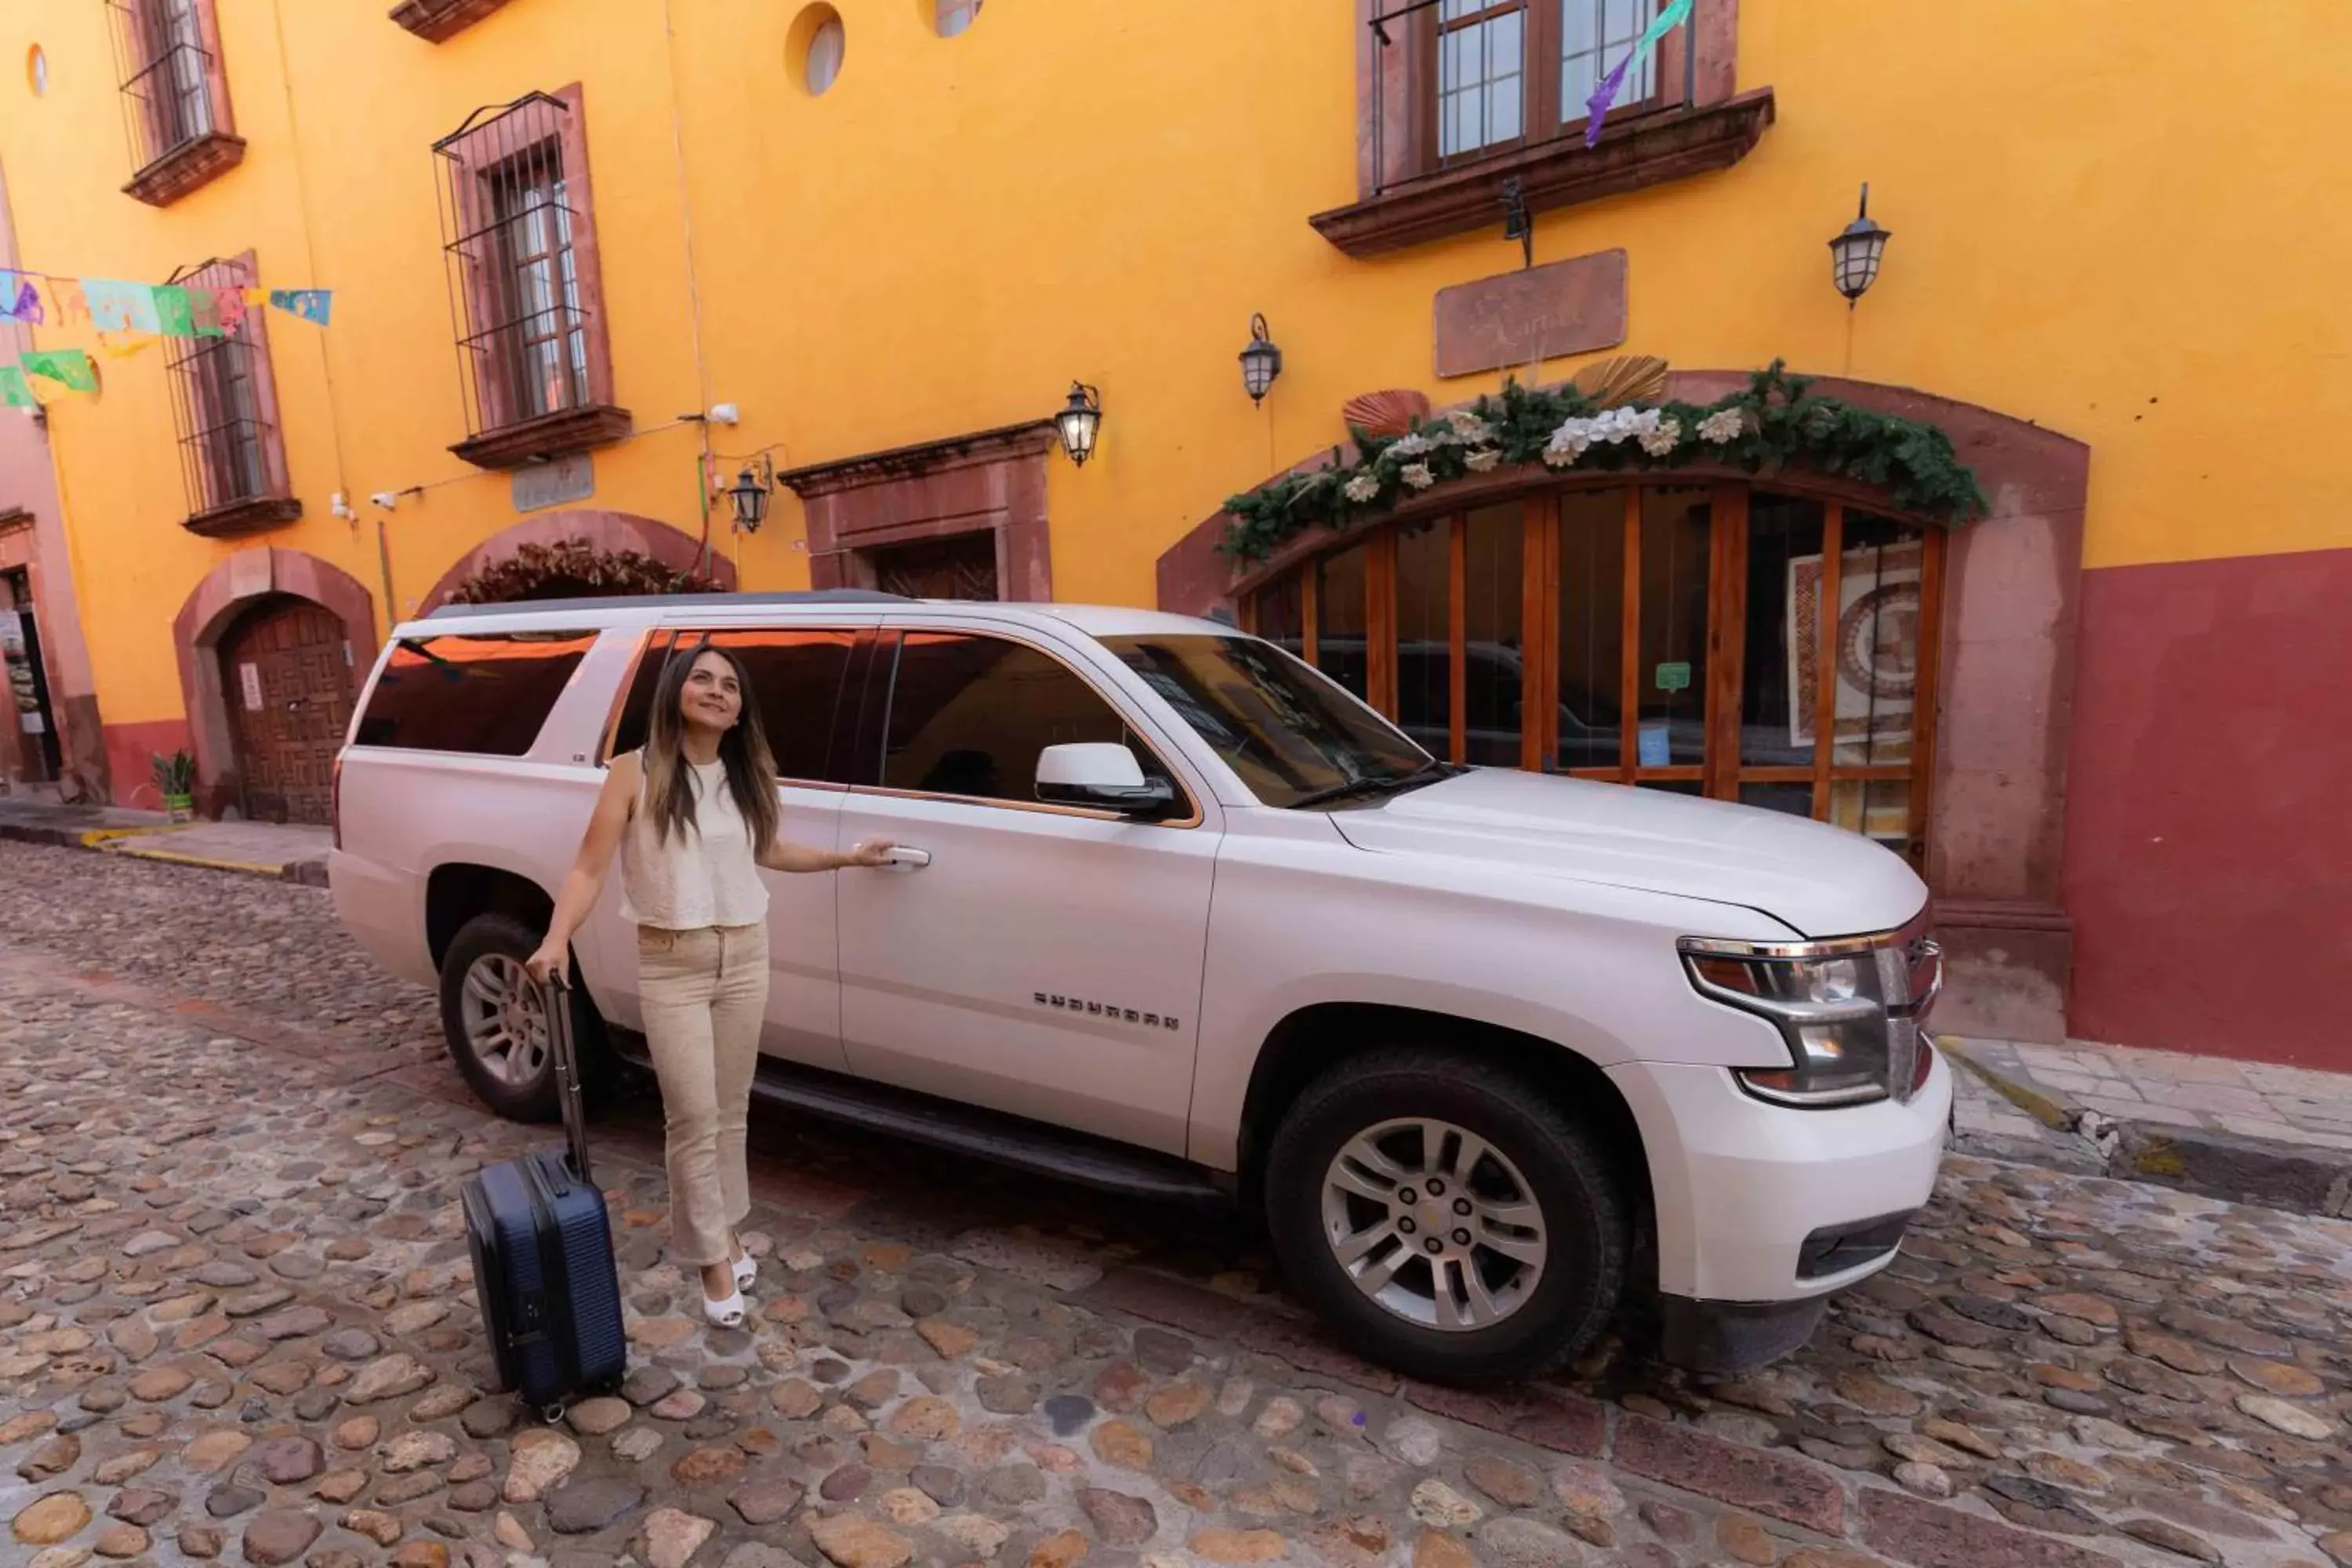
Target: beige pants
(704, 993)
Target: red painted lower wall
(2209, 808)
(131, 752)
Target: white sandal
(747, 1270)
(726, 1313)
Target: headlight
(1850, 1010)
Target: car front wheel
(1445, 1218)
(495, 1020)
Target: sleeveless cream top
(695, 879)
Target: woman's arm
(786, 856)
(588, 870)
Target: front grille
(1911, 975)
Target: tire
(1548, 1278)
(494, 1033)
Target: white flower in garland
(1662, 435)
(1417, 476)
(1467, 429)
(1410, 446)
(1484, 460)
(1364, 487)
(1628, 424)
(1722, 426)
(1567, 442)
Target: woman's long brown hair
(750, 768)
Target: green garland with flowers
(1776, 422)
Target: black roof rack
(666, 602)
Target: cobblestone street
(236, 1322)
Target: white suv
(1177, 916)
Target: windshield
(1291, 734)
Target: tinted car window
(796, 678)
(1285, 729)
(969, 716)
(486, 695)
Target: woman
(693, 815)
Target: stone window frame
(499, 436)
(169, 163)
(1405, 197)
(436, 21)
(275, 504)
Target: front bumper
(1743, 1189)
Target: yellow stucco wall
(2116, 217)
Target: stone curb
(305, 873)
(2243, 1170)
(2225, 1165)
(54, 838)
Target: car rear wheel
(1446, 1218)
(495, 1019)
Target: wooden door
(960, 567)
(285, 675)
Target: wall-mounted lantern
(749, 495)
(1261, 362)
(1856, 252)
(1079, 422)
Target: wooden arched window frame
(1703, 718)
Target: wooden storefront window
(1713, 640)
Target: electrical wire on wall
(311, 254)
(693, 273)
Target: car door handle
(903, 858)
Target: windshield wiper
(1429, 773)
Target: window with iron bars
(523, 289)
(174, 96)
(224, 407)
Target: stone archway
(612, 532)
(214, 609)
(2012, 595)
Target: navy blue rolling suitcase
(542, 1247)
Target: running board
(1009, 1141)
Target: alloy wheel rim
(1435, 1224)
(505, 1022)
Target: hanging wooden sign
(1515, 319)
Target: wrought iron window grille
(219, 407)
(166, 74)
(512, 226)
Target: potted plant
(175, 781)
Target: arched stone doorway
(2003, 701)
(598, 533)
(290, 692)
(272, 645)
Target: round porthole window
(815, 48)
(37, 70)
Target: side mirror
(1101, 775)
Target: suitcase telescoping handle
(555, 997)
